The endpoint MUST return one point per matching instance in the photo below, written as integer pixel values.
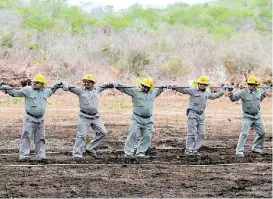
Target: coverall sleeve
(158, 91)
(49, 92)
(23, 92)
(72, 89)
(127, 91)
(263, 95)
(102, 88)
(234, 97)
(220, 93)
(53, 89)
(187, 91)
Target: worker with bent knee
(251, 98)
(35, 104)
(143, 98)
(89, 116)
(196, 113)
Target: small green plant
(17, 100)
(49, 102)
(6, 39)
(121, 105)
(3, 101)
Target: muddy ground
(166, 173)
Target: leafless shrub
(176, 54)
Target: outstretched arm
(159, 90)
(187, 91)
(127, 91)
(72, 89)
(56, 86)
(16, 93)
(220, 93)
(234, 97)
(104, 87)
(53, 89)
(264, 93)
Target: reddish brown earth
(166, 173)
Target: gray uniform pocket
(85, 100)
(32, 102)
(197, 99)
(248, 103)
(140, 101)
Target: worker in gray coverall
(88, 116)
(35, 104)
(142, 117)
(196, 113)
(251, 98)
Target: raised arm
(23, 92)
(72, 89)
(158, 91)
(104, 87)
(264, 93)
(188, 91)
(220, 93)
(234, 97)
(16, 93)
(55, 87)
(52, 90)
(127, 91)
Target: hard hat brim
(145, 85)
(202, 83)
(89, 80)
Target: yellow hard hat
(40, 78)
(253, 80)
(89, 77)
(203, 80)
(147, 82)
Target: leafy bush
(134, 63)
(6, 39)
(176, 66)
(53, 14)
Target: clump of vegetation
(176, 66)
(218, 39)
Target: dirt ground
(166, 173)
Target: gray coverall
(252, 115)
(35, 105)
(142, 119)
(88, 116)
(196, 116)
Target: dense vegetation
(222, 38)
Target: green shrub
(6, 39)
(176, 66)
(135, 62)
(17, 100)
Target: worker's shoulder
(194, 90)
(27, 89)
(244, 91)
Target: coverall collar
(39, 89)
(87, 89)
(142, 91)
(201, 90)
(252, 91)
